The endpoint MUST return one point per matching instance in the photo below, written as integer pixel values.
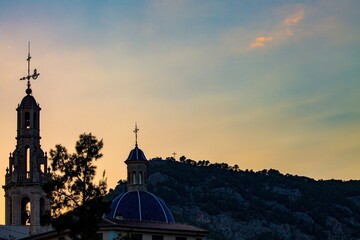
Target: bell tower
(26, 203)
(137, 166)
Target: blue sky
(261, 84)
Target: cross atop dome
(34, 76)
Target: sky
(261, 84)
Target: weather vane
(136, 130)
(34, 76)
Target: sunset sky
(262, 84)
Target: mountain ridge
(242, 204)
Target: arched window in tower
(25, 211)
(28, 161)
(134, 177)
(34, 121)
(140, 178)
(43, 216)
(27, 120)
(10, 207)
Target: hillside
(236, 204)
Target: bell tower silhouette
(137, 166)
(26, 203)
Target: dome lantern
(137, 167)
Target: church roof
(152, 226)
(140, 206)
(133, 226)
(29, 101)
(17, 232)
(136, 155)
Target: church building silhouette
(135, 213)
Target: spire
(34, 76)
(136, 130)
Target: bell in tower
(26, 203)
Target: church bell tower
(137, 166)
(26, 203)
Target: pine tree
(77, 201)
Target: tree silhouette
(77, 201)
(182, 159)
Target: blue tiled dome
(141, 206)
(136, 155)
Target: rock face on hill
(236, 204)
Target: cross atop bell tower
(29, 76)
(26, 203)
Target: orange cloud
(260, 42)
(281, 31)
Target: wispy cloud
(293, 20)
(280, 31)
